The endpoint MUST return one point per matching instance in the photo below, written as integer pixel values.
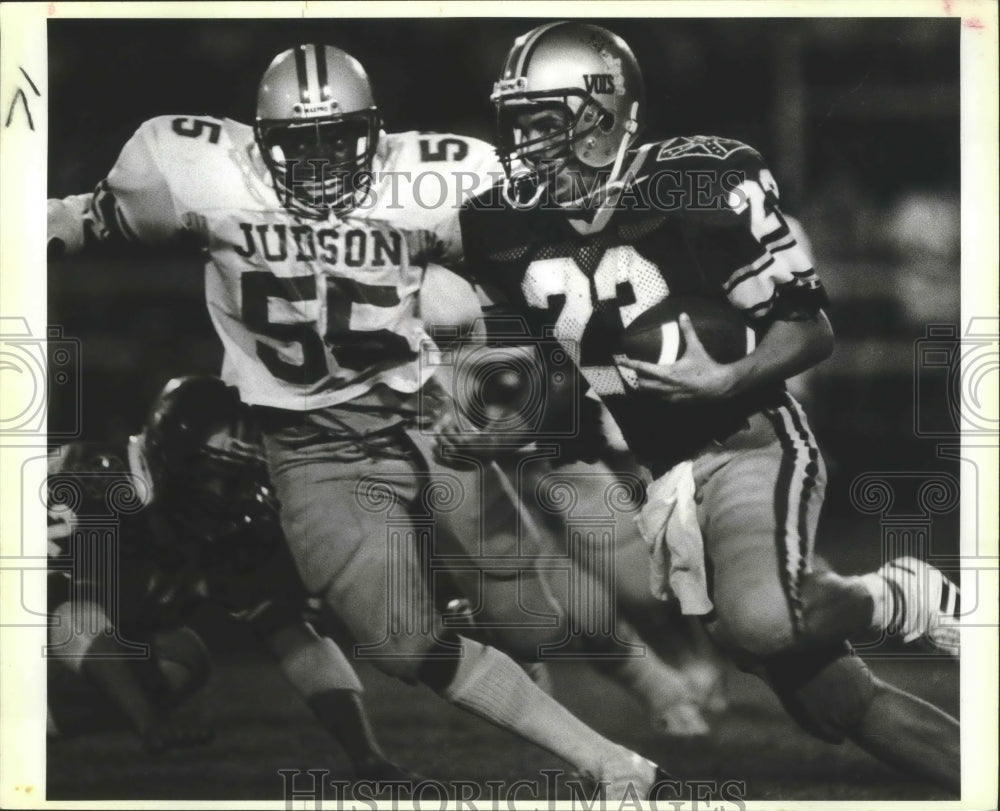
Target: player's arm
(788, 347)
(133, 206)
(768, 275)
(449, 307)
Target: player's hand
(454, 441)
(172, 733)
(695, 377)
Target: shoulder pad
(437, 149)
(694, 176)
(187, 132)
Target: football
(656, 337)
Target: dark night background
(858, 118)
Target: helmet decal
(592, 80)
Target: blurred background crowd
(858, 119)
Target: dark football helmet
(200, 451)
(317, 128)
(585, 75)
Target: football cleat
(629, 776)
(380, 769)
(927, 604)
(708, 685)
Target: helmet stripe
(321, 76)
(312, 73)
(513, 59)
(300, 72)
(531, 39)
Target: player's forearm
(787, 349)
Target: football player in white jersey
(316, 227)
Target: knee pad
(827, 691)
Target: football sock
(540, 675)
(649, 678)
(646, 676)
(885, 607)
(313, 664)
(323, 676)
(492, 686)
(343, 715)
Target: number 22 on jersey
(622, 277)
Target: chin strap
(510, 194)
(631, 128)
(610, 191)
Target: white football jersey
(311, 312)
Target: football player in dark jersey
(203, 522)
(115, 621)
(589, 231)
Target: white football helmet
(588, 72)
(317, 128)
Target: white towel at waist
(669, 523)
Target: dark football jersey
(101, 545)
(106, 545)
(696, 216)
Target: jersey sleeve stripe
(791, 243)
(761, 264)
(754, 288)
(777, 242)
(780, 233)
(762, 307)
